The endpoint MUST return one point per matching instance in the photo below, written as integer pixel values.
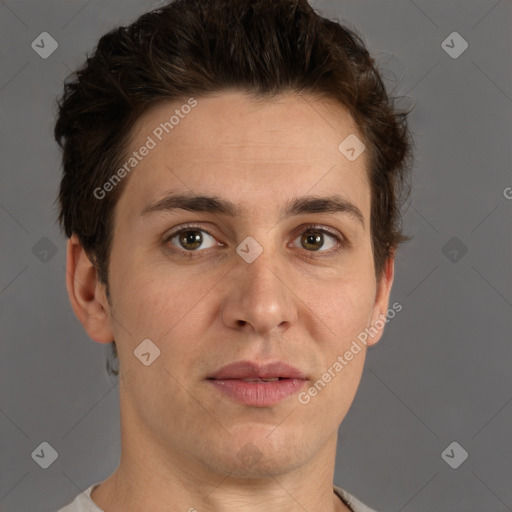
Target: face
(261, 275)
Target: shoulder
(82, 503)
(351, 501)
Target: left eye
(313, 239)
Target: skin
(180, 435)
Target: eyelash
(342, 243)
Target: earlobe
(380, 307)
(86, 294)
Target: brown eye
(312, 240)
(190, 239)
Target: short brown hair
(195, 47)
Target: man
(233, 172)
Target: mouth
(258, 385)
(251, 370)
(259, 379)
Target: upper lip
(250, 369)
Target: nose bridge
(260, 295)
(262, 278)
(260, 255)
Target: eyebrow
(220, 206)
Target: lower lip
(258, 394)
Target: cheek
(346, 308)
(157, 305)
(345, 305)
(165, 308)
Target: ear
(86, 294)
(381, 305)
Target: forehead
(219, 112)
(234, 146)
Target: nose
(260, 297)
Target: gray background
(441, 373)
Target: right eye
(190, 239)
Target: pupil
(312, 240)
(191, 238)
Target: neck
(158, 472)
(144, 481)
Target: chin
(259, 456)
(263, 468)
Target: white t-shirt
(84, 503)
